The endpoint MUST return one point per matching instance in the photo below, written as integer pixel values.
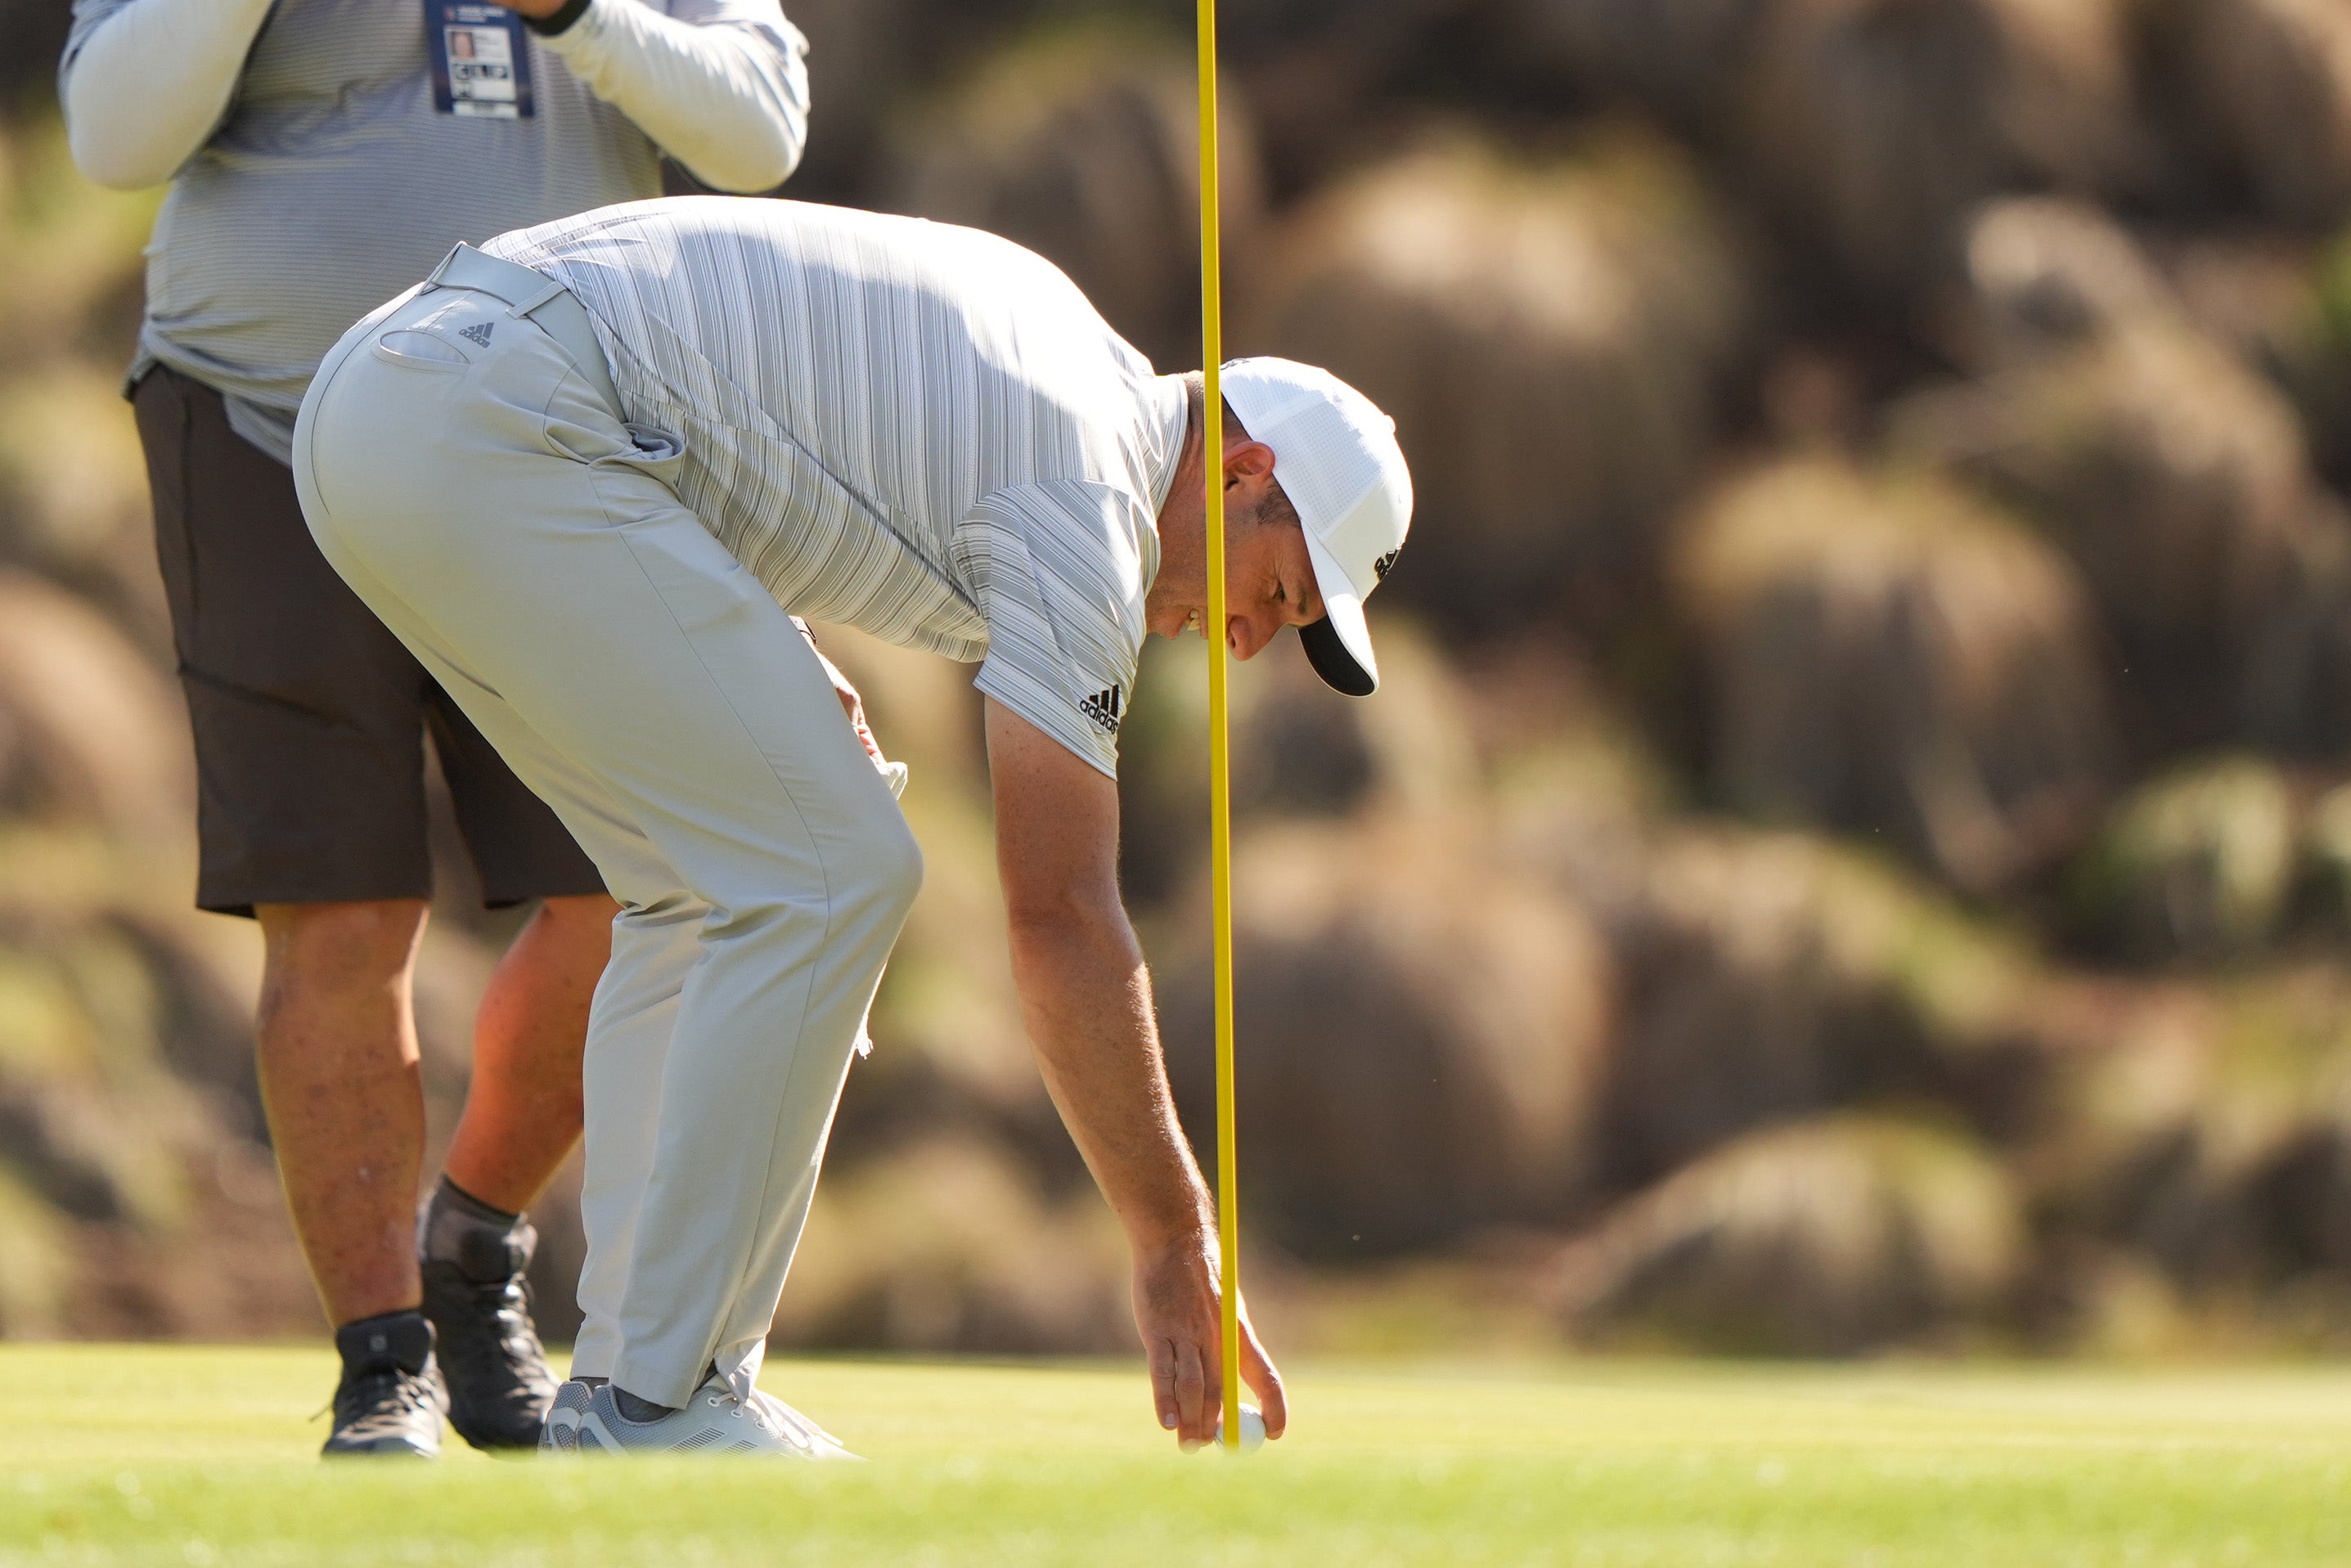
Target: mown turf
(202, 1455)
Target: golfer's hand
(850, 703)
(1176, 1309)
(854, 705)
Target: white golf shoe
(823, 1445)
(713, 1422)
(560, 1435)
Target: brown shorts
(309, 716)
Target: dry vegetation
(1855, 850)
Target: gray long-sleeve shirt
(329, 182)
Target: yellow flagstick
(1220, 804)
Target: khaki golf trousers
(476, 490)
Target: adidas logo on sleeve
(1104, 707)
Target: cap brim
(1339, 645)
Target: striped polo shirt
(920, 431)
(332, 183)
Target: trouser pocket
(580, 425)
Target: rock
(2195, 866)
(72, 255)
(1684, 56)
(38, 34)
(1835, 1237)
(871, 62)
(947, 1249)
(2045, 273)
(1890, 657)
(1418, 1033)
(133, 1199)
(2294, 690)
(2264, 90)
(2325, 856)
(1332, 84)
(2175, 479)
(1084, 148)
(1298, 749)
(93, 1119)
(1870, 127)
(89, 734)
(2214, 1137)
(1875, 126)
(35, 1264)
(2282, 303)
(73, 497)
(1769, 978)
(1550, 338)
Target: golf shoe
(713, 1422)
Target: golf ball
(1253, 1429)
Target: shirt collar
(1168, 421)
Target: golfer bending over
(586, 473)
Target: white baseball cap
(1335, 456)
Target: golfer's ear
(1248, 460)
(1056, 823)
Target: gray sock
(635, 1409)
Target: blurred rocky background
(1854, 851)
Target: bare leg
(523, 1108)
(346, 1105)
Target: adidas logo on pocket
(479, 332)
(1104, 708)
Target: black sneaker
(499, 1385)
(389, 1398)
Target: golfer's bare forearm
(1087, 998)
(1083, 989)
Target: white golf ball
(1253, 1429)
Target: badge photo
(481, 60)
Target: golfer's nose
(1248, 635)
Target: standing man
(322, 153)
(586, 476)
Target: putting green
(185, 1455)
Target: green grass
(187, 1455)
